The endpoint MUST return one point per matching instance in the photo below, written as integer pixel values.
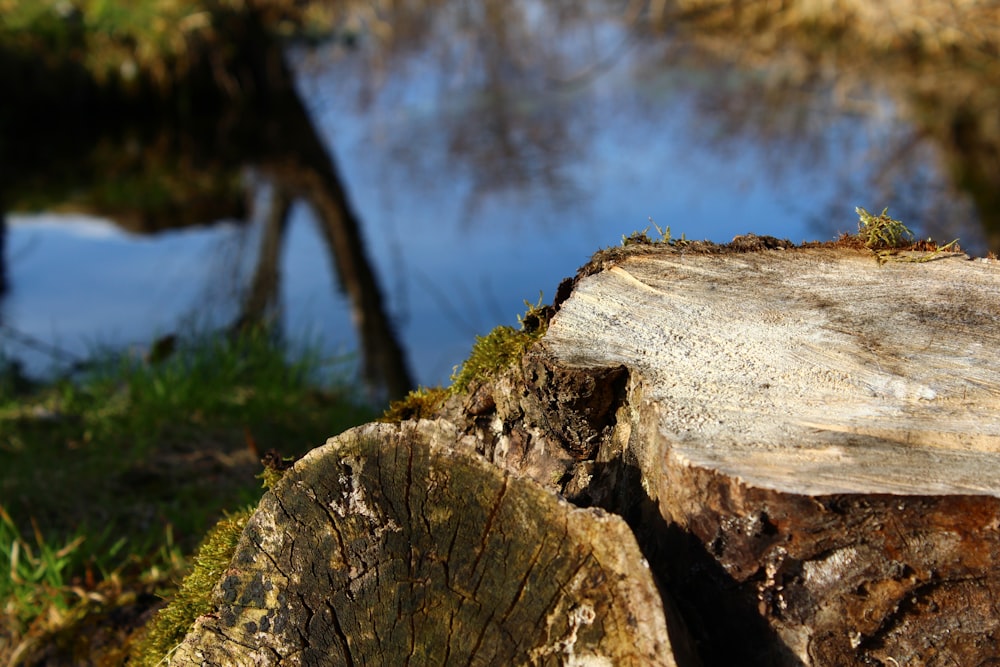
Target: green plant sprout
(885, 237)
(643, 238)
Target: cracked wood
(820, 436)
(388, 547)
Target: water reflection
(193, 174)
(517, 108)
(923, 84)
(543, 130)
(3, 255)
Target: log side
(819, 437)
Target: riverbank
(927, 27)
(112, 479)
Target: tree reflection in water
(3, 254)
(190, 173)
(516, 81)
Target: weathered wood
(810, 370)
(388, 547)
(820, 436)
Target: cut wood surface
(814, 371)
(820, 437)
(387, 547)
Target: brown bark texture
(802, 441)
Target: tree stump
(388, 547)
(804, 443)
(821, 438)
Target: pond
(485, 165)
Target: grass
(36, 573)
(886, 236)
(112, 478)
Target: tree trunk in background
(292, 153)
(384, 365)
(383, 359)
(302, 164)
(263, 297)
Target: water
(482, 183)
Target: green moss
(502, 347)
(194, 598)
(491, 353)
(275, 467)
(270, 477)
(418, 404)
(881, 234)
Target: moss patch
(194, 598)
(502, 347)
(490, 354)
(421, 403)
(886, 237)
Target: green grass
(113, 476)
(35, 576)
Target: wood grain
(807, 370)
